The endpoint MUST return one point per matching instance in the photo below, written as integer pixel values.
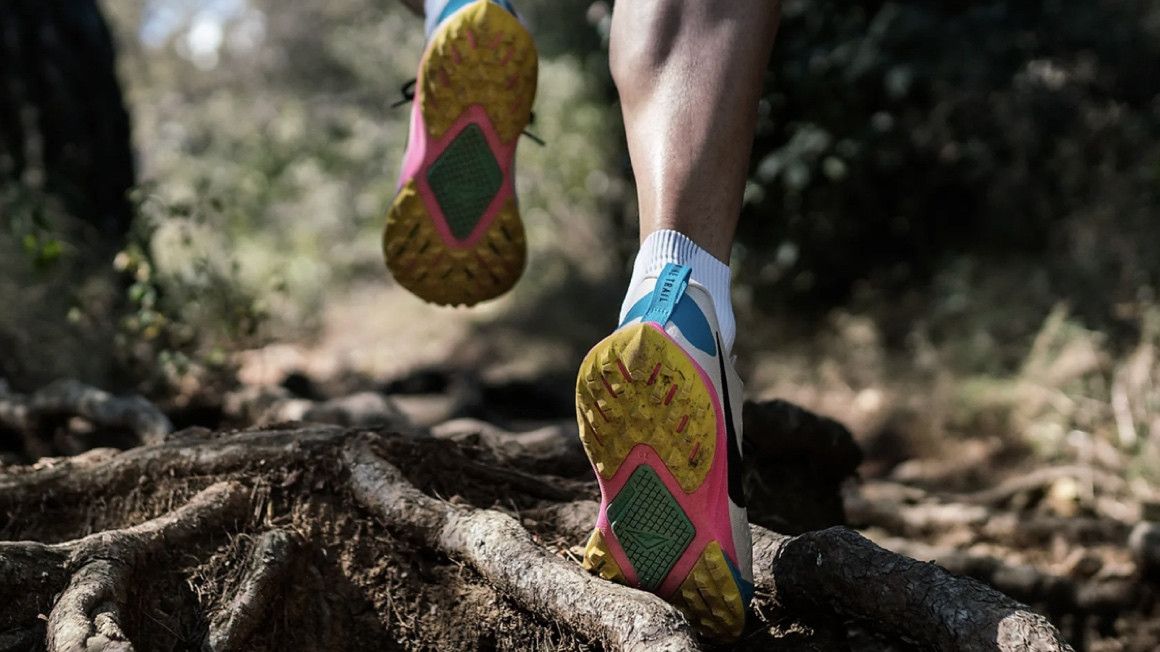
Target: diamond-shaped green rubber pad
(652, 528)
(465, 179)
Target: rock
(795, 464)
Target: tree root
(264, 406)
(840, 571)
(911, 512)
(73, 398)
(92, 575)
(503, 552)
(177, 456)
(87, 616)
(1040, 479)
(833, 571)
(1059, 594)
(550, 489)
(553, 449)
(265, 574)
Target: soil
(352, 582)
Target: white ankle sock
(665, 246)
(431, 12)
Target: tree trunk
(64, 128)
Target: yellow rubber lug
(709, 596)
(638, 387)
(421, 261)
(598, 560)
(482, 55)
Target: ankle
(666, 246)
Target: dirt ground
(300, 562)
(235, 518)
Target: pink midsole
(423, 151)
(706, 506)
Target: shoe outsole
(637, 387)
(640, 388)
(481, 57)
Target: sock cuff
(667, 246)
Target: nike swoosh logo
(736, 488)
(645, 538)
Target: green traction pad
(465, 179)
(651, 527)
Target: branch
(1041, 479)
(896, 510)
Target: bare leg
(689, 74)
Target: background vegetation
(949, 232)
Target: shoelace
(407, 90)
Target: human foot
(658, 404)
(453, 234)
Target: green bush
(894, 135)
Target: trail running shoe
(453, 234)
(658, 403)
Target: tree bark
(838, 570)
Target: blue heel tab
(670, 287)
(455, 5)
(664, 304)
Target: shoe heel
(638, 387)
(635, 388)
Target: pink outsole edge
(707, 506)
(423, 151)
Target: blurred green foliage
(186, 306)
(28, 223)
(896, 135)
(902, 146)
(281, 115)
(57, 292)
